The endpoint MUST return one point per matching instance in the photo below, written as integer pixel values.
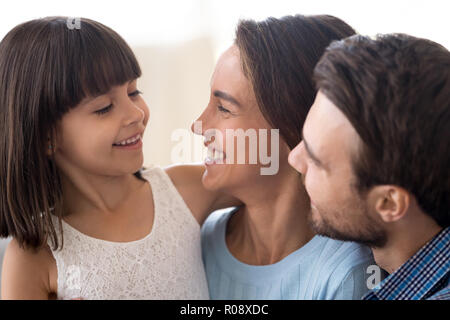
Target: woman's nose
(200, 125)
(196, 127)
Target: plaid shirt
(426, 275)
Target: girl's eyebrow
(89, 99)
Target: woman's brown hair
(278, 57)
(47, 66)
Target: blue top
(426, 275)
(322, 269)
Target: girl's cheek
(146, 112)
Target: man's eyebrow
(226, 96)
(311, 153)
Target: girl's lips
(132, 146)
(129, 140)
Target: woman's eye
(222, 109)
(104, 110)
(135, 93)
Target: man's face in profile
(325, 159)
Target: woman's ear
(391, 202)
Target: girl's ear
(51, 146)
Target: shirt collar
(417, 278)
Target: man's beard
(364, 230)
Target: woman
(266, 249)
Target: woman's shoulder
(345, 251)
(216, 221)
(342, 268)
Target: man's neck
(405, 240)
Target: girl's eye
(104, 110)
(108, 108)
(222, 109)
(135, 93)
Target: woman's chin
(213, 178)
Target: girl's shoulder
(28, 273)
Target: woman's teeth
(128, 141)
(214, 156)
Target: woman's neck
(273, 223)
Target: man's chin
(375, 239)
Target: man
(375, 158)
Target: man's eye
(222, 109)
(104, 110)
(135, 93)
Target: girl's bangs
(96, 59)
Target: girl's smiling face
(103, 135)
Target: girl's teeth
(131, 140)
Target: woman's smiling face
(232, 107)
(103, 135)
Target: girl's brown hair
(278, 57)
(46, 68)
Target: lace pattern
(166, 264)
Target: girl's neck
(83, 192)
(273, 223)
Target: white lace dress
(166, 264)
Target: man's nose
(296, 158)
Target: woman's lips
(215, 157)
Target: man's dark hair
(395, 91)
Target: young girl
(86, 220)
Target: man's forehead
(328, 131)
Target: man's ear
(391, 202)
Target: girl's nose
(134, 114)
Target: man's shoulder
(442, 294)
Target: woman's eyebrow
(226, 96)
